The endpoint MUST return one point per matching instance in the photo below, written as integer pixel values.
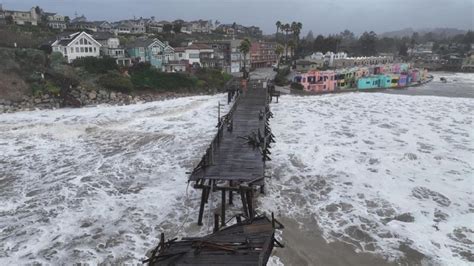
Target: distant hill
(441, 32)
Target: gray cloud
(321, 16)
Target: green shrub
(201, 83)
(280, 77)
(296, 86)
(213, 77)
(96, 65)
(115, 81)
(52, 89)
(153, 79)
(56, 58)
(36, 89)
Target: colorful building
(154, 51)
(317, 81)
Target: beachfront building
(153, 51)
(111, 47)
(317, 81)
(262, 54)
(77, 45)
(192, 53)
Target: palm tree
(244, 48)
(279, 52)
(291, 46)
(296, 27)
(287, 29)
(278, 25)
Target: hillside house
(154, 51)
(77, 45)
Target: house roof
(141, 42)
(198, 46)
(103, 35)
(66, 41)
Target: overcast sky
(320, 16)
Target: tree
(279, 52)
(415, 38)
(278, 25)
(403, 50)
(310, 36)
(177, 27)
(367, 42)
(167, 28)
(244, 48)
(287, 29)
(291, 47)
(9, 20)
(67, 20)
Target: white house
(77, 45)
(192, 52)
(56, 21)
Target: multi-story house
(77, 45)
(192, 53)
(111, 47)
(221, 55)
(262, 54)
(154, 51)
(103, 26)
(32, 17)
(137, 26)
(237, 58)
(55, 21)
(154, 27)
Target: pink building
(317, 81)
(396, 68)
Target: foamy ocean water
(379, 171)
(99, 184)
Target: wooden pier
(234, 162)
(234, 166)
(248, 242)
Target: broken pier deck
(234, 162)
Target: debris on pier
(248, 242)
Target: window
(81, 41)
(95, 49)
(82, 49)
(72, 50)
(77, 49)
(141, 50)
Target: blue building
(153, 51)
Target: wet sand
(306, 247)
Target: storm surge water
(98, 184)
(387, 174)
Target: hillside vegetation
(31, 71)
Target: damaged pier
(234, 163)
(234, 167)
(248, 242)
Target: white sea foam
(99, 184)
(378, 170)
